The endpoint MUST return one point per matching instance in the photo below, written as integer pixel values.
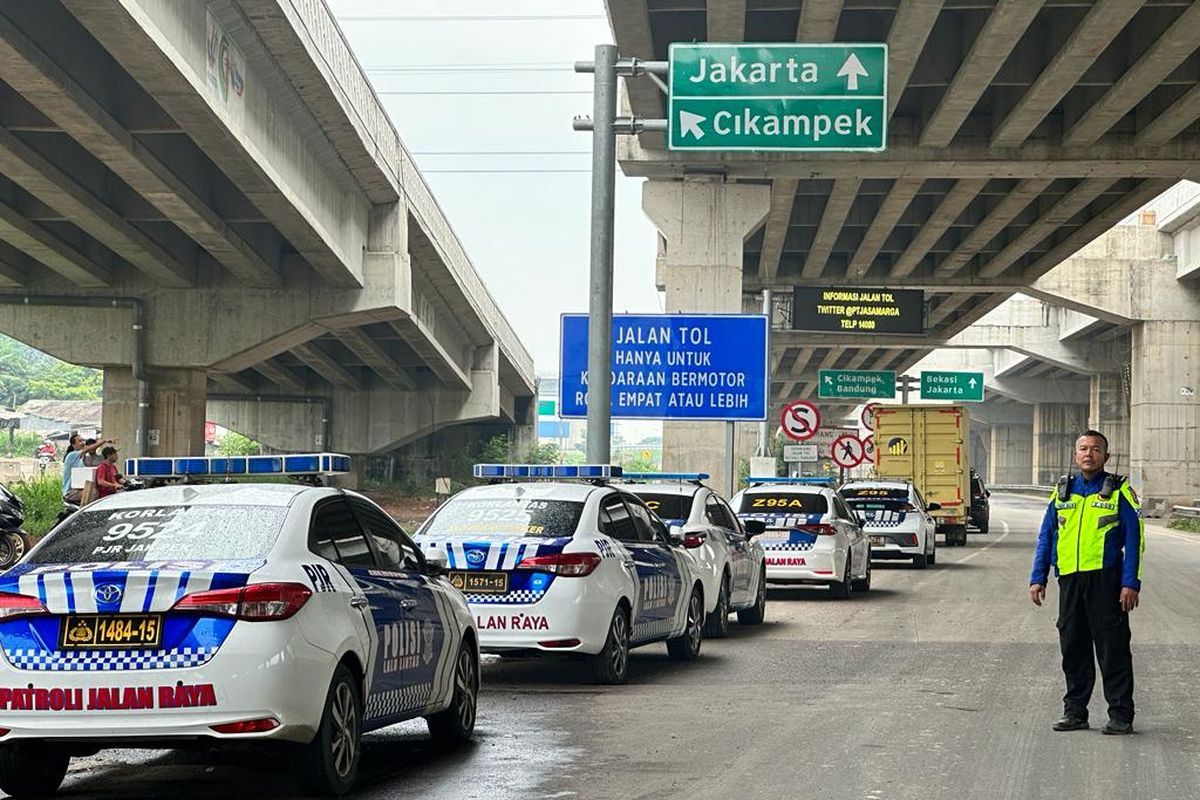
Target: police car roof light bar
(695, 477)
(558, 472)
(295, 465)
(808, 481)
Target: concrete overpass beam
(837, 207)
(898, 199)
(705, 224)
(996, 221)
(726, 20)
(175, 417)
(52, 251)
(1011, 454)
(951, 208)
(911, 27)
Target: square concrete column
(1108, 412)
(1056, 426)
(704, 225)
(1165, 413)
(1010, 456)
(175, 419)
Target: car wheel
(611, 665)
(329, 763)
(456, 724)
(841, 590)
(32, 769)
(983, 528)
(921, 561)
(687, 646)
(716, 626)
(755, 614)
(933, 555)
(864, 583)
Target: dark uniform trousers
(1090, 616)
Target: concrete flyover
(1019, 131)
(225, 171)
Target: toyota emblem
(108, 593)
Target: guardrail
(1022, 488)
(1191, 512)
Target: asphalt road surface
(938, 684)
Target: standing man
(1092, 535)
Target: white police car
(896, 518)
(733, 567)
(812, 536)
(567, 566)
(228, 612)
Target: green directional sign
(965, 387)
(856, 384)
(791, 97)
(547, 408)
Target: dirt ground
(410, 512)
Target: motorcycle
(14, 542)
(69, 508)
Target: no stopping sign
(800, 420)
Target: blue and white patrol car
(733, 567)
(571, 564)
(812, 536)
(896, 518)
(232, 612)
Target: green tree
(496, 450)
(543, 454)
(234, 444)
(29, 374)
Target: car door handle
(408, 605)
(629, 562)
(359, 601)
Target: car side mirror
(860, 519)
(933, 507)
(754, 527)
(436, 562)
(987, 492)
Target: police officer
(1092, 535)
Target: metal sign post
(605, 126)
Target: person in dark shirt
(1093, 537)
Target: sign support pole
(764, 445)
(604, 170)
(730, 461)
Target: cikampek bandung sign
(858, 310)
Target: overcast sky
(525, 230)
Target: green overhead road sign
(965, 387)
(856, 384)
(791, 97)
(547, 408)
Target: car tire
(842, 589)
(686, 646)
(329, 763)
(864, 584)
(933, 555)
(611, 665)
(13, 546)
(984, 527)
(456, 724)
(921, 561)
(32, 769)
(755, 614)
(716, 624)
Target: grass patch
(43, 500)
(1190, 524)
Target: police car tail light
(18, 605)
(908, 507)
(254, 603)
(693, 540)
(568, 565)
(820, 530)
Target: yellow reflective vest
(1085, 523)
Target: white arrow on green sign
(856, 383)
(791, 97)
(965, 387)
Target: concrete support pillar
(1010, 457)
(175, 419)
(1056, 426)
(1165, 413)
(704, 225)
(1108, 412)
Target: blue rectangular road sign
(673, 366)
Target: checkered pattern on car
(109, 660)
(884, 519)
(397, 701)
(653, 630)
(514, 596)
(787, 546)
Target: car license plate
(480, 582)
(110, 631)
(878, 540)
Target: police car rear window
(668, 506)
(794, 503)
(164, 533)
(877, 497)
(521, 516)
